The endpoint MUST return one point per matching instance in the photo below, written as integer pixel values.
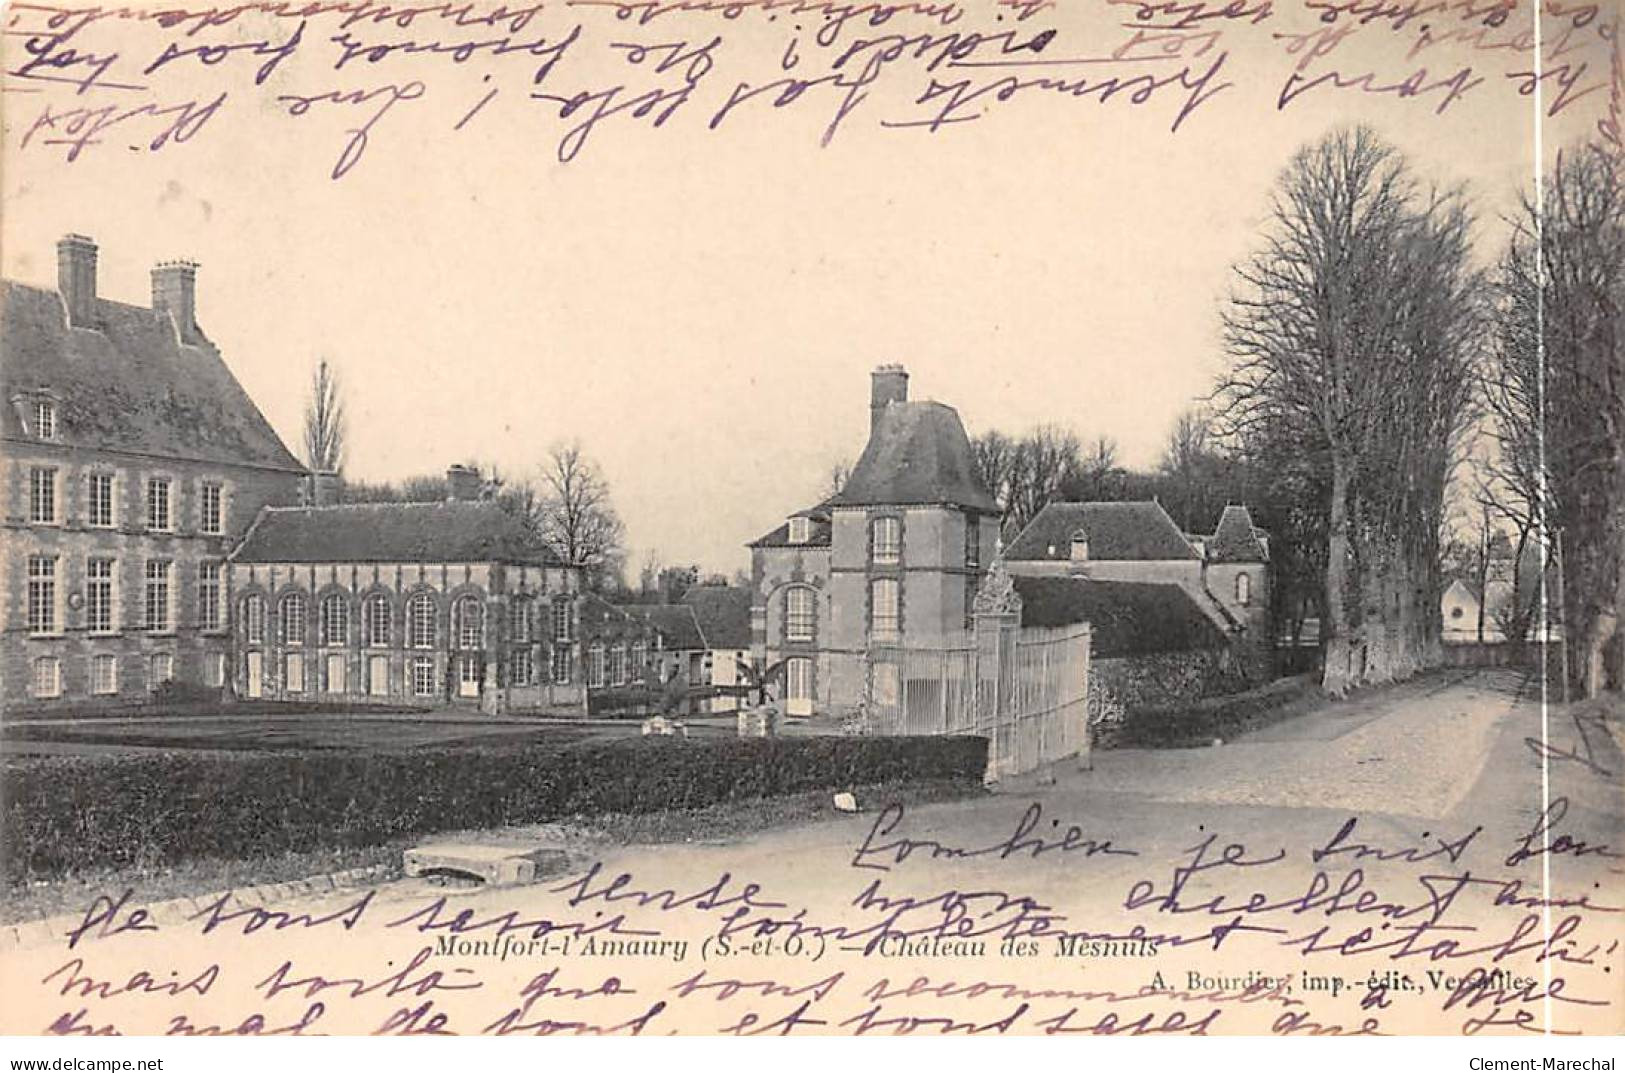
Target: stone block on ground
(495, 865)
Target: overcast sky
(702, 308)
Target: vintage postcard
(782, 517)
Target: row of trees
(1554, 393)
(1366, 346)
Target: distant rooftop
(453, 531)
(1135, 531)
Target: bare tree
(1352, 329)
(575, 515)
(1187, 463)
(324, 421)
(1042, 462)
(990, 457)
(840, 471)
(1557, 396)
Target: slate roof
(817, 536)
(129, 386)
(1235, 540)
(723, 614)
(918, 454)
(1129, 618)
(1131, 531)
(454, 531)
(675, 622)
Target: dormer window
(1080, 546)
(45, 419)
(800, 530)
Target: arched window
(254, 619)
(375, 625)
(335, 620)
(291, 618)
(800, 614)
(1244, 589)
(470, 623)
(420, 621)
(886, 540)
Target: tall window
(41, 594)
(45, 419)
(375, 621)
(561, 664)
(210, 509)
(563, 625)
(973, 540)
(47, 677)
(158, 516)
(208, 596)
(520, 668)
(800, 614)
(884, 619)
(595, 665)
(887, 540)
(420, 623)
(254, 617)
(160, 669)
(335, 620)
(1244, 589)
(99, 595)
(519, 620)
(617, 665)
(42, 495)
(470, 623)
(100, 507)
(155, 599)
(104, 675)
(640, 658)
(798, 679)
(295, 679)
(423, 676)
(291, 615)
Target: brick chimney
(887, 384)
(174, 291)
(463, 482)
(76, 278)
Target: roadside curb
(28, 934)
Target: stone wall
(197, 654)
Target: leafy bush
(64, 814)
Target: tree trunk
(1377, 613)
(1336, 676)
(1408, 653)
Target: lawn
(280, 732)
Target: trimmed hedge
(67, 814)
(1197, 723)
